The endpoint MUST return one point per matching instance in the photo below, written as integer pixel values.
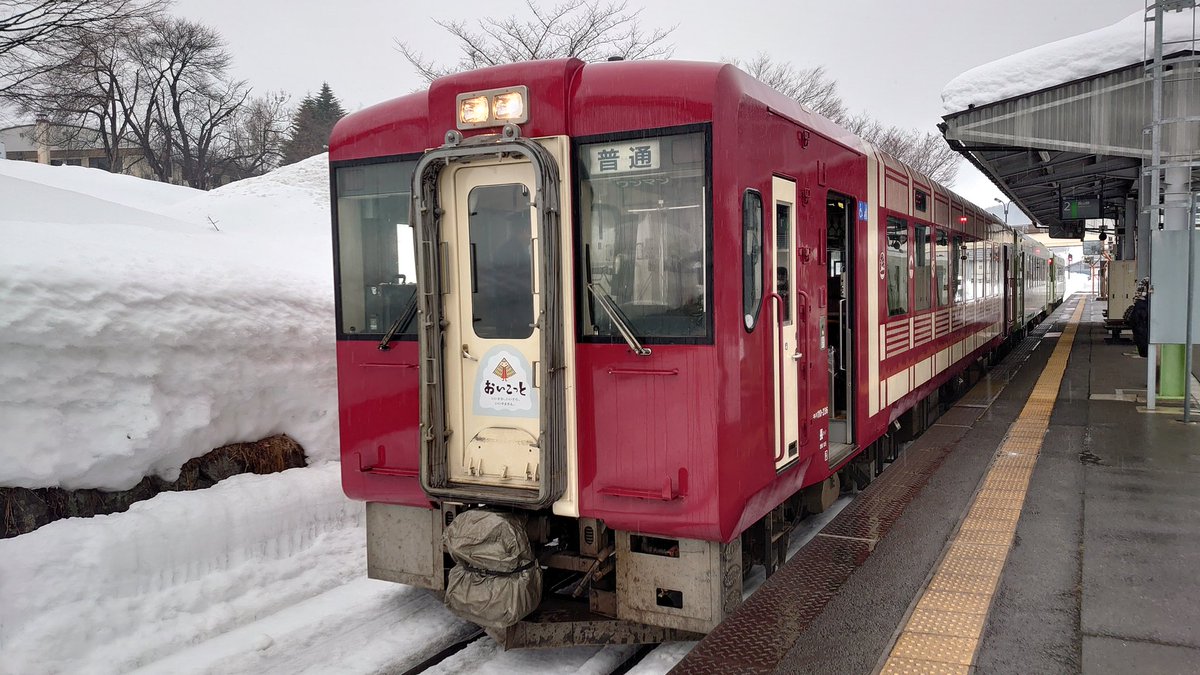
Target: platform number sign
(624, 157)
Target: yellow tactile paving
(943, 630)
(952, 582)
(954, 624)
(966, 550)
(973, 566)
(936, 648)
(899, 666)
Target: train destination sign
(623, 157)
(1080, 208)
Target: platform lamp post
(1005, 205)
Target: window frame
(577, 231)
(907, 275)
(749, 320)
(341, 335)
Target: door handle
(467, 354)
(797, 356)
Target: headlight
(509, 106)
(493, 108)
(473, 111)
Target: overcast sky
(889, 58)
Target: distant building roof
(21, 138)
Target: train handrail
(781, 449)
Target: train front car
(530, 392)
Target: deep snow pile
(143, 324)
(112, 593)
(1122, 44)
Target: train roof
(607, 97)
(602, 97)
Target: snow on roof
(1124, 43)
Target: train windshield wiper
(618, 318)
(401, 322)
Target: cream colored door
(787, 352)
(492, 344)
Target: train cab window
(897, 266)
(957, 256)
(643, 210)
(376, 265)
(752, 257)
(942, 274)
(922, 266)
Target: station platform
(1046, 523)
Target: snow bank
(1122, 44)
(144, 324)
(111, 593)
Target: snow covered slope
(144, 324)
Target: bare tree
(591, 30)
(34, 34)
(253, 144)
(927, 152)
(812, 87)
(81, 96)
(184, 108)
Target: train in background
(606, 331)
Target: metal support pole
(1191, 284)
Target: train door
(840, 216)
(1009, 292)
(787, 348)
(492, 341)
(1019, 285)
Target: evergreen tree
(309, 134)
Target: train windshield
(643, 232)
(377, 273)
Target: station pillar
(1173, 375)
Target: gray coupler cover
(496, 580)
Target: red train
(605, 331)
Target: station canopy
(1069, 121)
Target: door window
(752, 263)
(500, 233)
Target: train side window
(922, 263)
(897, 266)
(752, 257)
(942, 261)
(956, 267)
